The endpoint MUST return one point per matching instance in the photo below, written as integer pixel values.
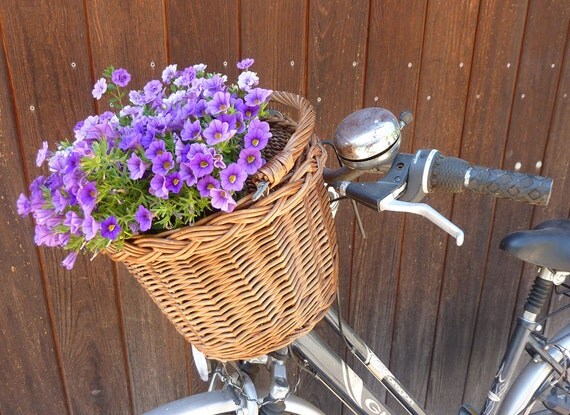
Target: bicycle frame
(334, 372)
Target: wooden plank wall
(487, 80)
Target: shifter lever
(422, 209)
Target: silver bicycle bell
(369, 139)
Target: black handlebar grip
(447, 174)
(521, 187)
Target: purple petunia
(187, 174)
(169, 73)
(220, 103)
(250, 160)
(69, 260)
(73, 221)
(202, 164)
(110, 228)
(158, 187)
(191, 130)
(257, 96)
(42, 154)
(206, 185)
(245, 63)
(99, 88)
(24, 206)
(222, 199)
(136, 166)
(174, 182)
(87, 197)
(121, 77)
(144, 218)
(90, 227)
(155, 148)
(258, 135)
(217, 131)
(162, 163)
(233, 177)
(247, 80)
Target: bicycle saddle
(547, 245)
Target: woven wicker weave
(238, 285)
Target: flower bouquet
(174, 152)
(164, 184)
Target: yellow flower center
(203, 164)
(167, 165)
(218, 136)
(111, 227)
(255, 142)
(232, 178)
(175, 182)
(250, 159)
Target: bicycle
(368, 141)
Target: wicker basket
(242, 284)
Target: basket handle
(281, 164)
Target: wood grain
(29, 353)
(534, 98)
(492, 82)
(274, 34)
(445, 66)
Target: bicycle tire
(525, 391)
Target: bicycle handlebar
(451, 174)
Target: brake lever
(383, 195)
(394, 205)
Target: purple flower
(121, 77)
(158, 187)
(202, 164)
(60, 201)
(245, 63)
(257, 96)
(206, 185)
(69, 260)
(222, 199)
(73, 221)
(162, 164)
(110, 228)
(187, 174)
(174, 182)
(169, 73)
(191, 130)
(130, 139)
(42, 154)
(218, 159)
(144, 218)
(90, 227)
(250, 160)
(87, 197)
(217, 132)
(155, 148)
(24, 207)
(152, 90)
(138, 98)
(248, 111)
(247, 80)
(258, 135)
(219, 103)
(233, 177)
(136, 167)
(213, 85)
(99, 88)
(186, 78)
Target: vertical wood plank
(492, 83)
(46, 51)
(274, 34)
(205, 32)
(335, 84)
(29, 368)
(392, 78)
(445, 67)
(155, 352)
(534, 98)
